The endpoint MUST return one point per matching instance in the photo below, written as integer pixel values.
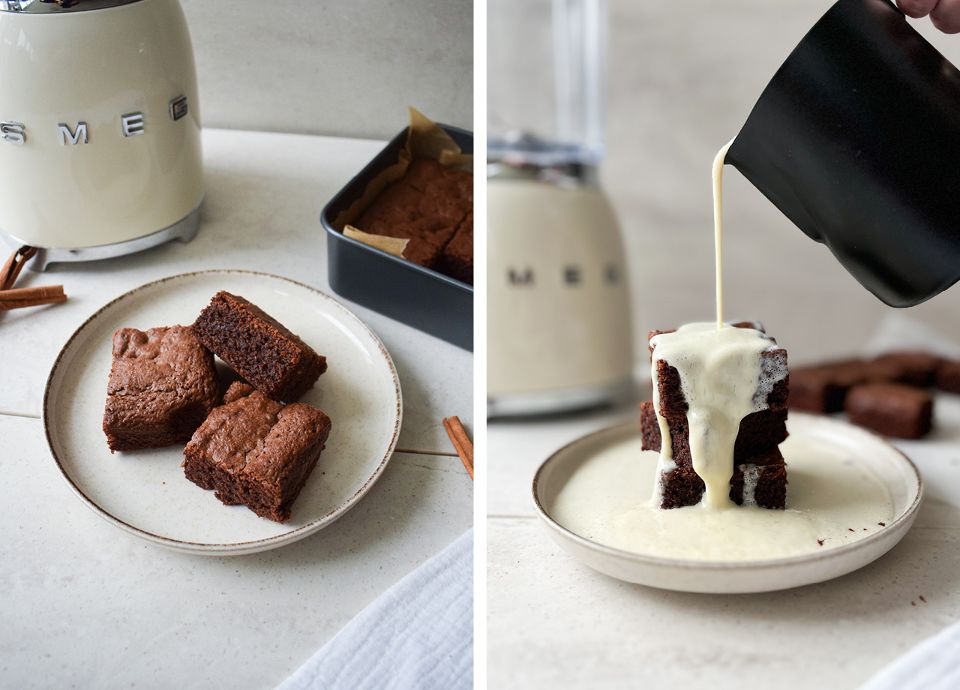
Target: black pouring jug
(857, 140)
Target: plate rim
(241, 547)
(905, 518)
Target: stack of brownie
(258, 447)
(887, 394)
(759, 474)
(432, 207)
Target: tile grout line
(420, 451)
(509, 516)
(23, 415)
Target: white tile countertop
(87, 605)
(554, 622)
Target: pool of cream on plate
(831, 500)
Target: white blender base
(184, 230)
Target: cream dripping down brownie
(258, 347)
(718, 415)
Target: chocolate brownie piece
(813, 389)
(258, 347)
(822, 388)
(682, 487)
(763, 485)
(758, 432)
(162, 385)
(892, 409)
(948, 377)
(911, 367)
(766, 485)
(256, 452)
(457, 259)
(670, 392)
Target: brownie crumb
(849, 529)
(913, 603)
(882, 524)
(923, 599)
(820, 542)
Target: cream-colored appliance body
(559, 334)
(100, 150)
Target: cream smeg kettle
(100, 150)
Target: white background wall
(332, 67)
(683, 77)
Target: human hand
(945, 14)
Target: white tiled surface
(554, 622)
(86, 605)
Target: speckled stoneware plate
(869, 452)
(145, 492)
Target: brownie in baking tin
(891, 409)
(457, 258)
(431, 206)
(162, 385)
(256, 452)
(258, 347)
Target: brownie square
(162, 385)
(813, 389)
(910, 367)
(258, 347)
(670, 392)
(891, 409)
(822, 388)
(767, 484)
(948, 377)
(758, 433)
(256, 451)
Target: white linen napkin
(416, 635)
(934, 664)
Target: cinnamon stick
(461, 442)
(17, 298)
(11, 269)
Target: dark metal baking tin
(417, 296)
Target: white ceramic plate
(145, 492)
(873, 454)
